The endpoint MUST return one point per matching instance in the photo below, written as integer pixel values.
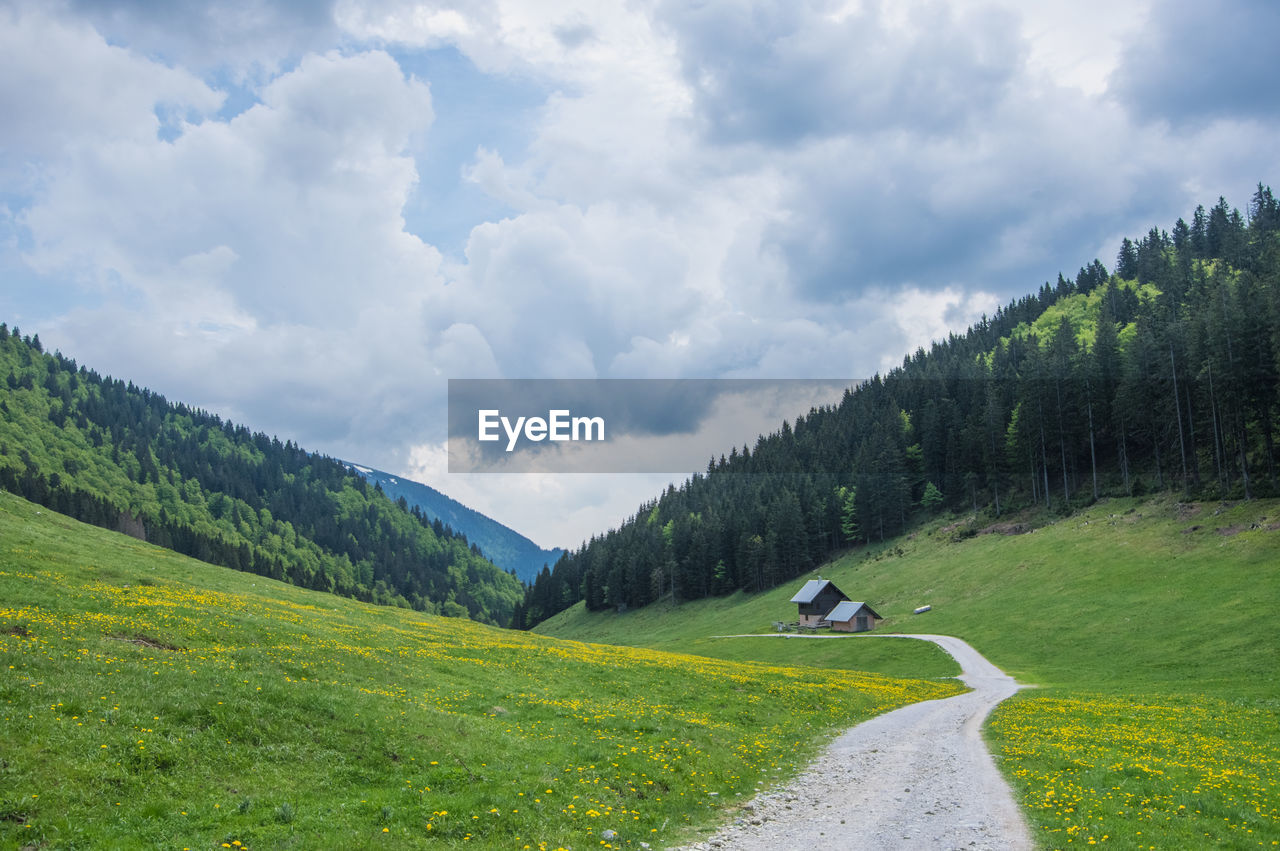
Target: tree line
(1161, 376)
(118, 456)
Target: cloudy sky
(306, 216)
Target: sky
(306, 216)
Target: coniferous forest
(1162, 376)
(124, 458)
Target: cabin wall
(811, 614)
(852, 625)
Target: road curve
(919, 777)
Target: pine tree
(848, 497)
(932, 497)
(1127, 260)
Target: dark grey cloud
(913, 142)
(858, 231)
(875, 230)
(1201, 61)
(775, 73)
(1002, 206)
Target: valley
(258, 645)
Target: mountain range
(503, 546)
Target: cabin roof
(812, 589)
(848, 610)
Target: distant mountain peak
(502, 545)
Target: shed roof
(812, 589)
(848, 610)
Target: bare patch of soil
(144, 641)
(1006, 529)
(1187, 510)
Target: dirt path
(919, 777)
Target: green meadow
(148, 700)
(1148, 629)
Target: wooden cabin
(816, 598)
(850, 616)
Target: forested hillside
(1161, 376)
(121, 457)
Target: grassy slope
(1147, 625)
(148, 700)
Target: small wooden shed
(816, 598)
(851, 616)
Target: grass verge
(1143, 771)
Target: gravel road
(919, 777)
